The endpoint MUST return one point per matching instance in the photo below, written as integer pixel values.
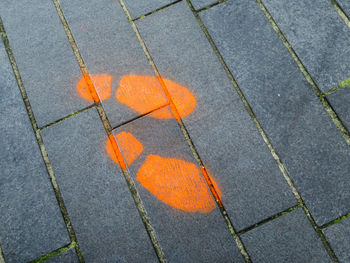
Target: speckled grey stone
(309, 144)
(138, 8)
(289, 238)
(318, 35)
(45, 59)
(223, 133)
(184, 236)
(68, 256)
(98, 200)
(345, 5)
(108, 46)
(338, 236)
(197, 4)
(340, 102)
(31, 224)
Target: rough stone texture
(68, 256)
(289, 238)
(221, 129)
(338, 236)
(138, 8)
(45, 59)
(31, 224)
(345, 5)
(318, 35)
(309, 144)
(184, 236)
(108, 46)
(197, 4)
(340, 101)
(98, 200)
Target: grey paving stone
(45, 59)
(340, 101)
(184, 236)
(345, 5)
(68, 256)
(138, 8)
(318, 35)
(31, 224)
(108, 46)
(221, 129)
(98, 200)
(197, 4)
(338, 236)
(309, 144)
(289, 238)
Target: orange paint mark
(114, 152)
(87, 85)
(177, 183)
(130, 146)
(142, 94)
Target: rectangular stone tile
(31, 224)
(98, 200)
(289, 238)
(318, 35)
(45, 59)
(309, 144)
(338, 236)
(340, 102)
(109, 46)
(68, 256)
(345, 5)
(173, 190)
(197, 4)
(221, 129)
(138, 8)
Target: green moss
(54, 253)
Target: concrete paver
(98, 200)
(340, 102)
(253, 186)
(68, 256)
(31, 224)
(339, 238)
(318, 35)
(108, 45)
(289, 238)
(139, 8)
(185, 234)
(45, 60)
(312, 149)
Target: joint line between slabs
(267, 140)
(332, 114)
(54, 253)
(210, 6)
(2, 258)
(341, 12)
(40, 142)
(334, 221)
(187, 136)
(156, 10)
(108, 129)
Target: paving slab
(98, 200)
(223, 133)
(44, 57)
(338, 236)
(345, 5)
(31, 224)
(108, 45)
(289, 238)
(68, 256)
(186, 233)
(197, 4)
(340, 102)
(309, 144)
(318, 35)
(138, 8)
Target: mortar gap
(155, 10)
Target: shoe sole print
(178, 183)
